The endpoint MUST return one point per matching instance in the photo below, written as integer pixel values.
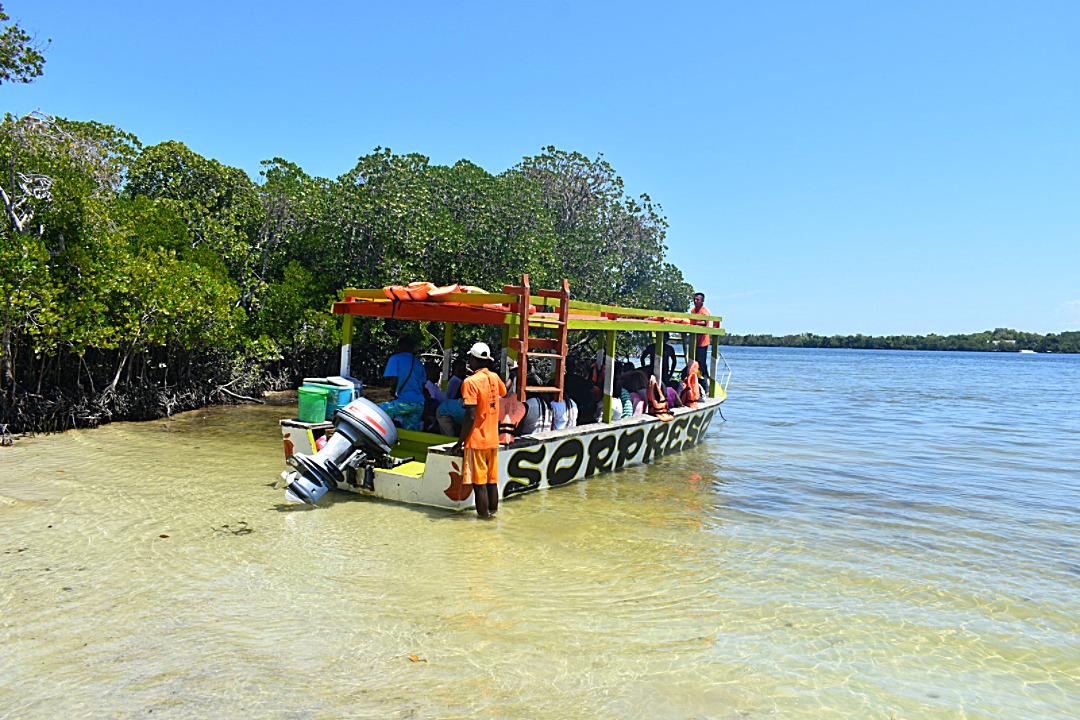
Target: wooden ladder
(526, 346)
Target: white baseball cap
(481, 350)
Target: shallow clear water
(870, 534)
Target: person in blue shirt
(450, 416)
(406, 376)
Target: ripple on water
(869, 535)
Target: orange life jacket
(511, 413)
(596, 374)
(415, 291)
(691, 390)
(657, 402)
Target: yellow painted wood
(644, 325)
(346, 330)
(637, 312)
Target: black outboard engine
(363, 433)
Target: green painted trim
(638, 312)
(643, 325)
(419, 437)
(346, 330)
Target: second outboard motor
(362, 431)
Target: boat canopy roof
(484, 308)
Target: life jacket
(657, 402)
(440, 292)
(691, 390)
(511, 412)
(415, 291)
(596, 374)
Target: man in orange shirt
(703, 341)
(480, 430)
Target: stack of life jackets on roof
(419, 291)
(422, 290)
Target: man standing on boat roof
(703, 340)
(406, 375)
(480, 430)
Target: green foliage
(139, 282)
(21, 59)
(609, 246)
(128, 258)
(294, 312)
(219, 204)
(55, 181)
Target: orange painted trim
(436, 312)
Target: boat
(367, 454)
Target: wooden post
(504, 353)
(447, 350)
(658, 356)
(714, 386)
(346, 346)
(609, 373)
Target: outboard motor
(363, 432)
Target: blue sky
(828, 167)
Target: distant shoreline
(999, 340)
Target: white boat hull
(543, 460)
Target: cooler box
(341, 391)
(312, 405)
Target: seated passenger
(626, 401)
(511, 410)
(457, 375)
(431, 387)
(406, 375)
(616, 400)
(564, 413)
(433, 396)
(634, 384)
(537, 416)
(449, 416)
(580, 390)
(672, 393)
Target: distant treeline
(999, 340)
(136, 281)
